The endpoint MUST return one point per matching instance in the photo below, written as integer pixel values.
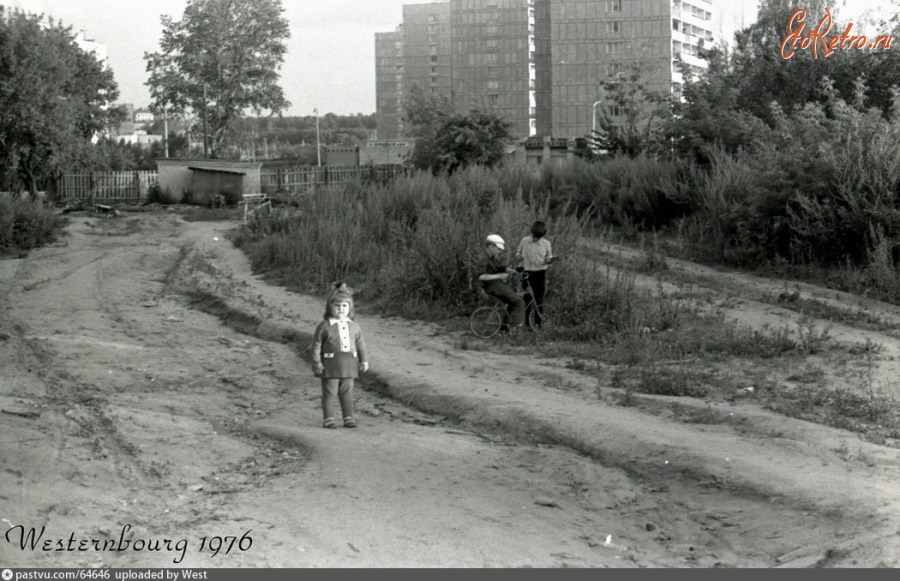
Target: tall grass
(26, 224)
(415, 246)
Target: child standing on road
(339, 355)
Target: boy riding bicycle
(493, 282)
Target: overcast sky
(330, 64)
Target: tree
(763, 76)
(640, 114)
(53, 99)
(447, 140)
(222, 59)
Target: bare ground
(152, 387)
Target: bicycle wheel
(549, 318)
(485, 322)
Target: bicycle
(542, 317)
(487, 321)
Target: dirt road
(152, 390)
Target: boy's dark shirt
(495, 265)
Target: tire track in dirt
(753, 302)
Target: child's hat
(341, 293)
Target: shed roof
(217, 170)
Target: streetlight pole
(205, 135)
(594, 114)
(318, 147)
(166, 130)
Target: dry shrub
(26, 224)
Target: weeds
(26, 224)
(809, 339)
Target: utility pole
(205, 135)
(318, 147)
(166, 131)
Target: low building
(141, 138)
(199, 181)
(540, 150)
(341, 155)
(385, 151)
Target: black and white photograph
(448, 284)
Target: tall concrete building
(494, 59)
(426, 46)
(389, 84)
(542, 63)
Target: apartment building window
(492, 71)
(615, 111)
(431, 18)
(491, 43)
(613, 27)
(614, 6)
(434, 59)
(493, 98)
(495, 85)
(432, 40)
(433, 70)
(613, 47)
(490, 29)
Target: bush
(26, 224)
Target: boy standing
(535, 254)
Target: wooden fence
(305, 179)
(123, 187)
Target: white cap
(496, 241)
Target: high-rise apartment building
(389, 84)
(426, 45)
(494, 59)
(541, 63)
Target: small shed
(535, 151)
(200, 181)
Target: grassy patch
(26, 224)
(875, 416)
(201, 214)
